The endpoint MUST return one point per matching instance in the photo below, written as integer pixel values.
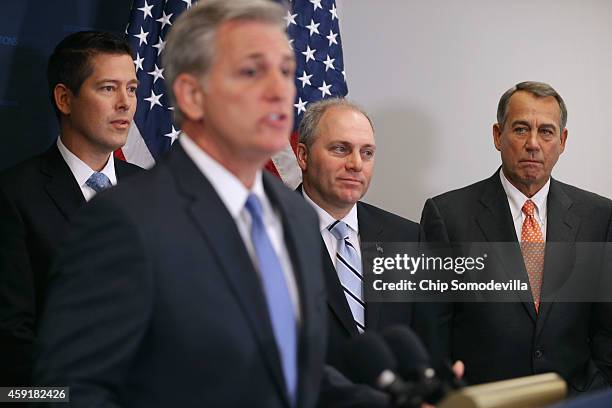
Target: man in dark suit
(198, 284)
(522, 203)
(336, 154)
(92, 84)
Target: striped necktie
(532, 247)
(348, 267)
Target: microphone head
(407, 348)
(368, 357)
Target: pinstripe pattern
(348, 267)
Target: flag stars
(309, 53)
(160, 46)
(188, 3)
(334, 12)
(157, 73)
(332, 38)
(138, 62)
(290, 18)
(324, 89)
(165, 19)
(146, 10)
(313, 27)
(300, 106)
(316, 4)
(142, 37)
(305, 78)
(154, 99)
(173, 135)
(329, 63)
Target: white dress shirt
(82, 172)
(516, 200)
(234, 195)
(325, 219)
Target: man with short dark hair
(336, 153)
(92, 85)
(522, 203)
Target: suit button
(538, 354)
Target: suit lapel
(302, 267)
(496, 224)
(62, 188)
(221, 234)
(369, 232)
(562, 227)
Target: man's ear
(62, 96)
(497, 131)
(302, 156)
(564, 134)
(189, 96)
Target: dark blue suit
(156, 302)
(38, 197)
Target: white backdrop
(430, 73)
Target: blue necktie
(278, 299)
(348, 267)
(98, 181)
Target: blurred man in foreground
(198, 283)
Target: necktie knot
(339, 229)
(529, 208)
(253, 206)
(98, 181)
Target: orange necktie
(532, 247)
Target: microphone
(415, 364)
(377, 368)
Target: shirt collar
(325, 219)
(517, 199)
(232, 192)
(80, 170)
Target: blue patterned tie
(278, 299)
(348, 267)
(98, 181)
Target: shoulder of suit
(384, 215)
(22, 174)
(581, 196)
(474, 190)
(128, 167)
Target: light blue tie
(278, 299)
(348, 267)
(98, 181)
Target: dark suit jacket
(155, 301)
(375, 225)
(503, 340)
(37, 199)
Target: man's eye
(108, 88)
(132, 90)
(520, 130)
(339, 149)
(249, 72)
(368, 154)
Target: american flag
(314, 32)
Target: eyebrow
(115, 81)
(525, 123)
